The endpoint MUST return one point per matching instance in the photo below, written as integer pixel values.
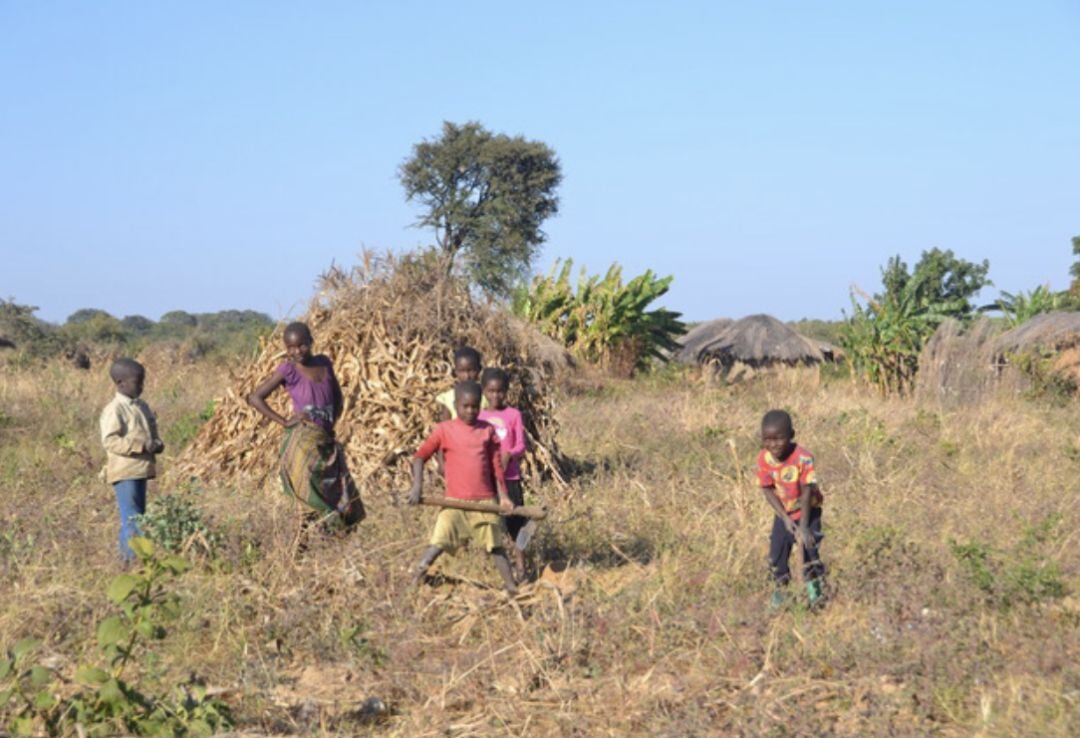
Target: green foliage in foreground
(175, 524)
(604, 320)
(1023, 575)
(107, 704)
(884, 336)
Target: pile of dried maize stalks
(390, 326)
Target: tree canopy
(486, 196)
(1075, 270)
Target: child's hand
(805, 537)
(157, 447)
(505, 504)
(294, 421)
(414, 494)
(792, 528)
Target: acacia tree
(486, 196)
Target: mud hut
(757, 342)
(698, 338)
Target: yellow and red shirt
(784, 478)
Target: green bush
(105, 703)
(175, 524)
(603, 320)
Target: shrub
(106, 703)
(1023, 306)
(603, 320)
(175, 524)
(883, 338)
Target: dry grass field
(951, 540)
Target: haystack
(758, 341)
(698, 337)
(390, 327)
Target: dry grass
(657, 624)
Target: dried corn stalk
(390, 328)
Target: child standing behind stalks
(474, 471)
(786, 474)
(130, 436)
(467, 363)
(511, 432)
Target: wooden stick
(533, 512)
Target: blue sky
(208, 155)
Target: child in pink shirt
(511, 432)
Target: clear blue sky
(210, 155)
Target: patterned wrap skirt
(313, 470)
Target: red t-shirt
(471, 457)
(784, 478)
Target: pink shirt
(511, 433)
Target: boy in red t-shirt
(474, 471)
(785, 472)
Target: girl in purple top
(511, 431)
(312, 462)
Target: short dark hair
(492, 374)
(778, 419)
(125, 367)
(467, 389)
(300, 330)
(468, 352)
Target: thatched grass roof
(759, 340)
(1049, 331)
(698, 337)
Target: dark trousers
(515, 523)
(781, 543)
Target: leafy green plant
(602, 319)
(883, 338)
(1023, 306)
(1038, 368)
(175, 524)
(107, 704)
(180, 433)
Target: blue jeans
(131, 499)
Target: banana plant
(602, 319)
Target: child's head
(128, 375)
(777, 434)
(495, 383)
(466, 364)
(467, 401)
(298, 342)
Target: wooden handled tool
(533, 512)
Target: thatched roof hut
(1048, 332)
(962, 364)
(698, 338)
(761, 340)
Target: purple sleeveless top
(316, 399)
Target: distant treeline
(88, 329)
